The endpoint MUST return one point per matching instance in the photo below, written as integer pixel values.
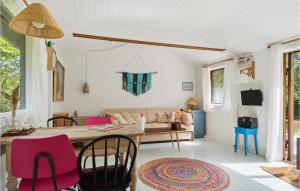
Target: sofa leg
(192, 136)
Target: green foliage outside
(217, 81)
(218, 78)
(296, 69)
(296, 72)
(9, 72)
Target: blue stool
(245, 132)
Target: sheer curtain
(38, 82)
(229, 87)
(205, 88)
(275, 109)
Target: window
(217, 86)
(12, 62)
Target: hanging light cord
(26, 3)
(86, 62)
(95, 50)
(115, 47)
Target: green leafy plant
(10, 74)
(50, 43)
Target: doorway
(291, 101)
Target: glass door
(292, 104)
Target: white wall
(106, 85)
(220, 124)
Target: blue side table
(245, 132)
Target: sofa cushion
(172, 116)
(156, 125)
(187, 118)
(128, 110)
(119, 117)
(128, 117)
(152, 113)
(137, 117)
(162, 117)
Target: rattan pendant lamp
(35, 20)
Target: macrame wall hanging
(137, 83)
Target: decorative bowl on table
(175, 125)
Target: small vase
(13, 125)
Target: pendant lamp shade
(35, 20)
(86, 88)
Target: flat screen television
(252, 97)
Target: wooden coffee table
(165, 130)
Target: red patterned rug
(182, 174)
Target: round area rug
(182, 174)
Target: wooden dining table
(78, 135)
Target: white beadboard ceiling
(237, 25)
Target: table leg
(256, 146)
(177, 141)
(134, 174)
(139, 141)
(246, 144)
(11, 184)
(236, 142)
(171, 138)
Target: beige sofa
(150, 115)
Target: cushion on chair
(87, 177)
(63, 181)
(97, 120)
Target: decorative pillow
(114, 121)
(128, 118)
(178, 116)
(162, 117)
(136, 117)
(172, 116)
(187, 118)
(119, 117)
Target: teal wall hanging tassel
(136, 83)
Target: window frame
(20, 41)
(211, 84)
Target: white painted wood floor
(245, 172)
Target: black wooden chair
(67, 121)
(108, 177)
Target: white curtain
(275, 109)
(38, 82)
(229, 86)
(205, 88)
(229, 103)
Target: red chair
(44, 164)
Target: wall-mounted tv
(252, 97)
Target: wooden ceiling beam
(146, 42)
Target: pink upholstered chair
(97, 120)
(44, 164)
